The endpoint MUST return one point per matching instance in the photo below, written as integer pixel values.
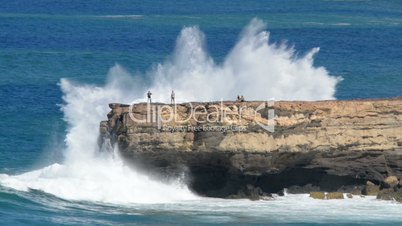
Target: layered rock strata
(228, 149)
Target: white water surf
(254, 68)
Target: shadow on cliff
(246, 175)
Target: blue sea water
(43, 41)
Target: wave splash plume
(254, 68)
(85, 174)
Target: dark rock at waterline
(357, 190)
(317, 146)
(297, 189)
(390, 182)
(390, 194)
(390, 189)
(250, 192)
(282, 192)
(371, 189)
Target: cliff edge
(243, 149)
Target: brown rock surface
(317, 195)
(335, 195)
(371, 189)
(390, 182)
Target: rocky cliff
(228, 149)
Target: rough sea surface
(47, 47)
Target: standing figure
(149, 94)
(172, 98)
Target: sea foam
(255, 68)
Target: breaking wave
(254, 68)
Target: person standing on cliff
(172, 97)
(149, 94)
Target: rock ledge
(316, 146)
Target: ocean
(62, 62)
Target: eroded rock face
(324, 145)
